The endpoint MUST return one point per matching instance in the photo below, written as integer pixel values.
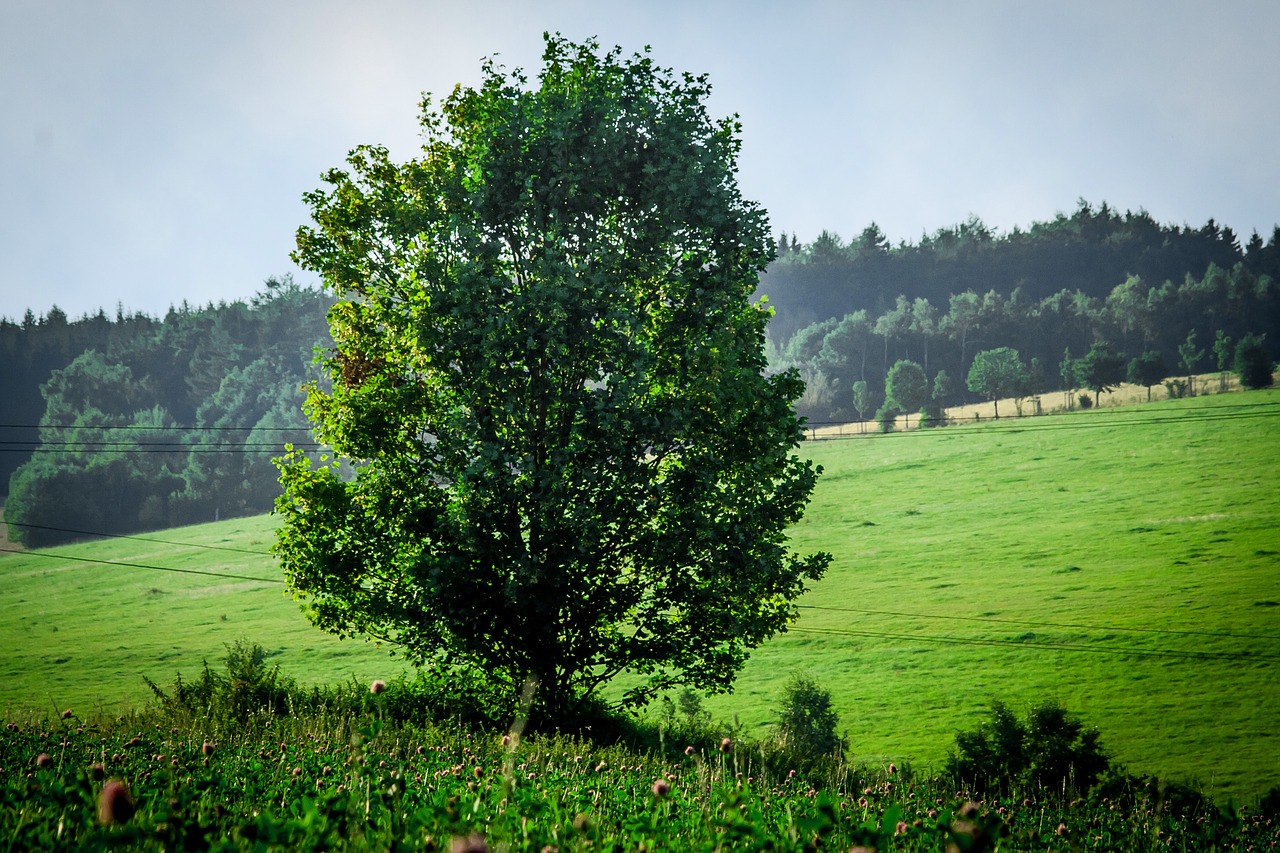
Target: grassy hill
(1123, 561)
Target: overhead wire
(819, 431)
(222, 575)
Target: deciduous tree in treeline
(550, 380)
(1147, 369)
(996, 373)
(906, 387)
(1101, 369)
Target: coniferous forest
(129, 423)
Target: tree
(1069, 370)
(1147, 369)
(550, 382)
(1225, 351)
(1252, 364)
(906, 387)
(1190, 357)
(943, 388)
(962, 319)
(1101, 369)
(1052, 750)
(807, 722)
(996, 373)
(864, 399)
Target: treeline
(130, 423)
(845, 313)
(137, 423)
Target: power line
(223, 575)
(991, 620)
(137, 538)
(1044, 647)
(1022, 426)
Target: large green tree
(550, 381)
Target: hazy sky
(158, 151)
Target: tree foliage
(1252, 364)
(906, 387)
(1147, 369)
(997, 373)
(1101, 369)
(1050, 750)
(157, 423)
(548, 376)
(807, 721)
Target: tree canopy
(996, 373)
(549, 379)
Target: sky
(156, 152)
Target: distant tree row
(1088, 252)
(848, 361)
(141, 423)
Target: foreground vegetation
(250, 761)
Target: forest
(1123, 287)
(129, 423)
(136, 423)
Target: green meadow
(1125, 562)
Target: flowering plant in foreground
(353, 781)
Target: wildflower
(506, 740)
(600, 768)
(1062, 830)
(893, 768)
(115, 803)
(726, 744)
(661, 787)
(901, 828)
(473, 843)
(66, 715)
(206, 748)
(688, 750)
(97, 772)
(44, 760)
(377, 686)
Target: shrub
(886, 415)
(807, 722)
(248, 688)
(1050, 750)
(1252, 364)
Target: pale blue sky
(158, 151)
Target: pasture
(1123, 561)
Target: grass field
(1123, 561)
